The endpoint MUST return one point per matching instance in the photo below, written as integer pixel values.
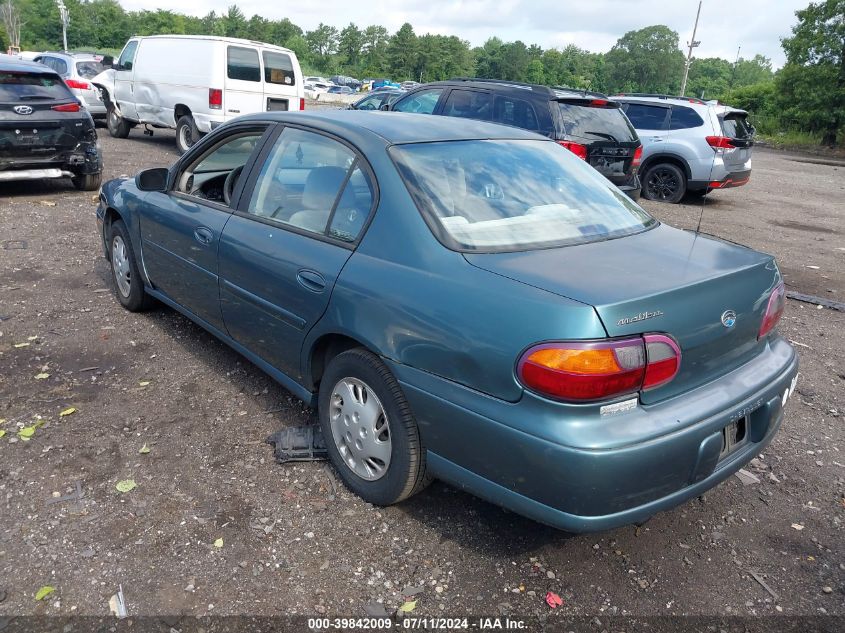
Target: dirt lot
(295, 541)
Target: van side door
(244, 93)
(124, 84)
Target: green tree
(234, 22)
(812, 83)
(709, 77)
(322, 41)
(747, 72)
(374, 41)
(350, 45)
(401, 52)
(647, 60)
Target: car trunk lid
(662, 280)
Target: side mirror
(108, 61)
(153, 179)
(385, 106)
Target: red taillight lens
(598, 103)
(663, 357)
(215, 98)
(774, 309)
(576, 148)
(301, 103)
(719, 142)
(67, 107)
(80, 85)
(583, 372)
(638, 157)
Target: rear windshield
(595, 123)
(23, 86)
(737, 126)
(89, 69)
(505, 195)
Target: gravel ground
(293, 539)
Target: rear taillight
(598, 103)
(576, 148)
(589, 371)
(301, 103)
(774, 309)
(215, 98)
(638, 157)
(719, 142)
(79, 85)
(67, 107)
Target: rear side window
(23, 86)
(737, 126)
(242, 64)
(469, 104)
(684, 118)
(595, 122)
(422, 102)
(516, 112)
(646, 117)
(89, 69)
(278, 69)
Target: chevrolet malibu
(468, 302)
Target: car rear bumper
(732, 179)
(589, 486)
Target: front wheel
(118, 126)
(187, 133)
(664, 182)
(87, 182)
(127, 280)
(370, 432)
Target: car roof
(399, 127)
(76, 56)
(10, 62)
(214, 38)
(539, 90)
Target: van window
(127, 57)
(278, 69)
(243, 64)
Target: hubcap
(360, 429)
(663, 184)
(120, 265)
(185, 137)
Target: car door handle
(203, 235)
(311, 280)
(656, 139)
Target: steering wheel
(229, 185)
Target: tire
(664, 182)
(187, 133)
(118, 126)
(404, 469)
(131, 294)
(87, 182)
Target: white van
(194, 83)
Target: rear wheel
(127, 280)
(117, 125)
(187, 133)
(370, 432)
(664, 182)
(87, 182)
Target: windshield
(89, 69)
(594, 123)
(501, 195)
(23, 86)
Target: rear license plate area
(277, 105)
(734, 437)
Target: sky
(755, 25)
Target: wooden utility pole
(692, 44)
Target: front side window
(242, 64)
(646, 117)
(313, 183)
(278, 69)
(422, 102)
(469, 104)
(372, 102)
(127, 57)
(505, 195)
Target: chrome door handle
(203, 235)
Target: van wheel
(187, 133)
(117, 125)
(87, 182)
(664, 182)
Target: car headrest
(321, 187)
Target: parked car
(589, 124)
(689, 145)
(410, 85)
(44, 131)
(78, 69)
(318, 86)
(375, 100)
(194, 83)
(343, 80)
(465, 301)
(340, 90)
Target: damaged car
(44, 130)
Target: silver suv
(689, 144)
(77, 69)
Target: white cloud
(755, 25)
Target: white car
(196, 83)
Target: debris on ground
(376, 610)
(127, 485)
(299, 444)
(764, 585)
(408, 606)
(797, 526)
(117, 605)
(553, 600)
(747, 478)
(45, 591)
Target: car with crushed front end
(44, 130)
(465, 301)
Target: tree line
(806, 94)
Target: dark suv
(589, 124)
(44, 130)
